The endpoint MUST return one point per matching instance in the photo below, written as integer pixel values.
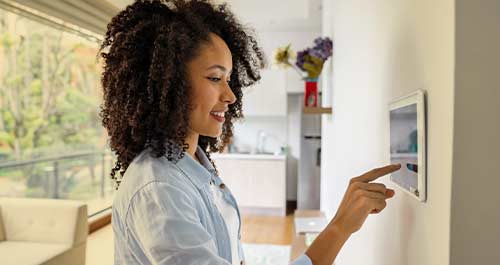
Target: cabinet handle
(318, 157)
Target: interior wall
(475, 210)
(384, 49)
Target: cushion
(44, 220)
(34, 253)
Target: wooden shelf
(317, 110)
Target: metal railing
(58, 164)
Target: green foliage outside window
(49, 103)
(49, 89)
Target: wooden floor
(100, 247)
(255, 229)
(267, 229)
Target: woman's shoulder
(146, 167)
(148, 172)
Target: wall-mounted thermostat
(408, 143)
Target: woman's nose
(228, 95)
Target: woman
(173, 78)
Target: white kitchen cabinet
(268, 97)
(258, 182)
(293, 82)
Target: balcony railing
(69, 176)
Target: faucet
(261, 140)
(262, 136)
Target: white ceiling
(270, 15)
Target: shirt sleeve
(302, 260)
(164, 221)
(240, 248)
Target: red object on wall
(311, 93)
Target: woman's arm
(361, 199)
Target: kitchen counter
(247, 156)
(257, 181)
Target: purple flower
(301, 58)
(323, 48)
(311, 60)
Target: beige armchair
(42, 231)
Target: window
(52, 143)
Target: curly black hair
(146, 50)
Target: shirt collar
(200, 174)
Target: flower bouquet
(308, 63)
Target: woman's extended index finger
(377, 173)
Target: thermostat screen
(404, 146)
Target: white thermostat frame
(418, 97)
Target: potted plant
(308, 64)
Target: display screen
(404, 146)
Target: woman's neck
(192, 141)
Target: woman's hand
(361, 199)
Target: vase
(311, 93)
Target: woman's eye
(214, 79)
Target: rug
(266, 254)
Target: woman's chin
(213, 134)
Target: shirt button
(222, 185)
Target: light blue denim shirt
(164, 213)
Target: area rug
(266, 254)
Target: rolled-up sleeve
(302, 260)
(164, 222)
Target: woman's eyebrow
(218, 66)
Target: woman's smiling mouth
(218, 116)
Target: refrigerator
(309, 165)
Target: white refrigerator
(309, 164)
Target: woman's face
(211, 95)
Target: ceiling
(270, 15)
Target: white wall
(384, 49)
(475, 207)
